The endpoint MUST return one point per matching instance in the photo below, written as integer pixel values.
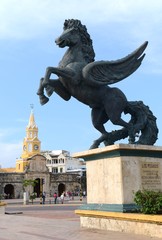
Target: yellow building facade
(31, 144)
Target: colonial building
(60, 161)
(49, 168)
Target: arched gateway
(61, 189)
(9, 191)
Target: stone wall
(7, 180)
(52, 182)
(12, 183)
(70, 181)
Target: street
(52, 221)
(36, 207)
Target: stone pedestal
(115, 172)
(2, 207)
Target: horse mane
(87, 47)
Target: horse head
(76, 34)
(68, 38)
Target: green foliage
(33, 196)
(29, 182)
(150, 202)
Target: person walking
(62, 198)
(44, 197)
(55, 197)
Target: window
(48, 161)
(61, 160)
(55, 170)
(54, 161)
(29, 147)
(61, 170)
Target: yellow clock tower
(31, 144)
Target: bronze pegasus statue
(87, 80)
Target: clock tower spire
(31, 143)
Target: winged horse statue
(87, 80)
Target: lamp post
(0, 192)
(81, 194)
(42, 181)
(41, 189)
(80, 181)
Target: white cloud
(130, 21)
(9, 153)
(31, 18)
(10, 149)
(8, 132)
(4, 132)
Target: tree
(30, 182)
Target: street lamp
(0, 191)
(80, 181)
(42, 181)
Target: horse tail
(143, 121)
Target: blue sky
(28, 29)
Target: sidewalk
(49, 200)
(56, 225)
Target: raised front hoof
(49, 90)
(40, 91)
(43, 100)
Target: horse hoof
(39, 93)
(43, 100)
(49, 91)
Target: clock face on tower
(36, 147)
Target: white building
(60, 161)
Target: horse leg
(117, 120)
(99, 117)
(115, 104)
(63, 72)
(49, 90)
(53, 85)
(58, 87)
(40, 93)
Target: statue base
(114, 174)
(2, 207)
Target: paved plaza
(47, 222)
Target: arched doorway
(37, 187)
(61, 189)
(9, 191)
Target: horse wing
(109, 72)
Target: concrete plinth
(2, 207)
(115, 173)
(143, 224)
